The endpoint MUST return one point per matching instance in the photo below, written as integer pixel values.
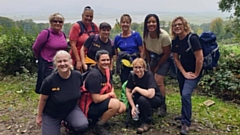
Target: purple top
(54, 43)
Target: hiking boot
(100, 130)
(184, 130)
(162, 110)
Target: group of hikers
(77, 86)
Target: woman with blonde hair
(59, 98)
(189, 63)
(48, 42)
(144, 92)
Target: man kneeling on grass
(104, 103)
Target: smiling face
(139, 66)
(178, 27)
(63, 63)
(152, 24)
(103, 62)
(87, 16)
(105, 33)
(125, 23)
(56, 23)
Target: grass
(19, 104)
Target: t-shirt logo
(103, 84)
(176, 46)
(56, 89)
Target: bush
(16, 53)
(226, 78)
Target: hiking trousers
(146, 105)
(186, 86)
(76, 118)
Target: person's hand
(190, 75)
(39, 120)
(135, 90)
(112, 94)
(85, 67)
(78, 65)
(133, 112)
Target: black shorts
(96, 110)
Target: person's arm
(82, 54)
(129, 97)
(199, 61)
(41, 105)
(40, 42)
(146, 53)
(73, 44)
(166, 54)
(149, 93)
(97, 98)
(141, 51)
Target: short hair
(186, 26)
(104, 25)
(141, 62)
(61, 52)
(87, 8)
(146, 31)
(126, 16)
(56, 15)
(99, 53)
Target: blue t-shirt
(128, 44)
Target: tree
(228, 6)
(217, 27)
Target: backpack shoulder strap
(82, 28)
(48, 34)
(93, 28)
(189, 42)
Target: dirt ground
(22, 122)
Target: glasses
(57, 21)
(177, 24)
(137, 67)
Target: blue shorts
(163, 69)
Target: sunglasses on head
(57, 21)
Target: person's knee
(142, 100)
(114, 104)
(159, 80)
(80, 126)
(122, 108)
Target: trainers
(162, 110)
(100, 130)
(184, 130)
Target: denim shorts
(163, 69)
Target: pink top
(47, 48)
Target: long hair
(145, 30)
(187, 27)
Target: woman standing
(157, 45)
(129, 43)
(59, 98)
(79, 32)
(144, 92)
(189, 64)
(95, 43)
(48, 42)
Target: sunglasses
(57, 21)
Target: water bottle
(136, 117)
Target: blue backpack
(210, 49)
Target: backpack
(210, 49)
(123, 97)
(84, 29)
(86, 98)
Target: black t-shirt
(94, 44)
(63, 93)
(146, 82)
(187, 58)
(95, 81)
